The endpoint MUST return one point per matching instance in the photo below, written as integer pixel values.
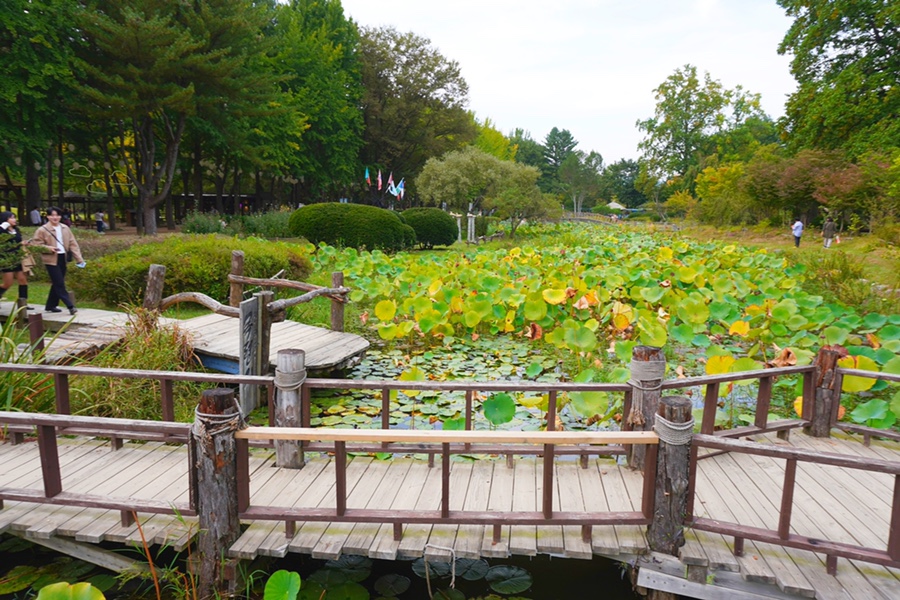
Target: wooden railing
(450, 443)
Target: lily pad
(508, 579)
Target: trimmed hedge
(196, 263)
(433, 226)
(352, 225)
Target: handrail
(446, 437)
(870, 374)
(783, 535)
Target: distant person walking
(828, 231)
(35, 216)
(56, 241)
(98, 220)
(797, 230)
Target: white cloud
(590, 66)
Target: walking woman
(12, 256)
(56, 242)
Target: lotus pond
(349, 578)
(570, 301)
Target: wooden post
(648, 367)
(337, 308)
(154, 292)
(36, 331)
(290, 373)
(827, 393)
(213, 459)
(236, 295)
(256, 326)
(248, 360)
(666, 532)
(22, 306)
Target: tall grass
(26, 392)
(146, 345)
(838, 275)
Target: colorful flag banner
(379, 179)
(368, 179)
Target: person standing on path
(797, 230)
(56, 240)
(12, 256)
(828, 231)
(98, 220)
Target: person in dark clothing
(828, 231)
(12, 255)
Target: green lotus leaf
(534, 369)
(889, 332)
(873, 321)
(681, 333)
(535, 309)
(508, 579)
(385, 310)
(873, 410)
(652, 331)
(653, 294)
(892, 366)
(282, 585)
(499, 408)
(853, 383)
(835, 335)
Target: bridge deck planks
(834, 505)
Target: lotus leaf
(65, 591)
(435, 569)
(872, 413)
(385, 310)
(873, 321)
(282, 585)
(499, 408)
(892, 366)
(835, 335)
(857, 384)
(508, 579)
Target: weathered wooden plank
(501, 499)
(442, 537)
(549, 537)
(523, 539)
(363, 535)
(571, 498)
(318, 478)
(603, 538)
(631, 537)
(415, 535)
(310, 534)
(470, 538)
(331, 544)
(384, 546)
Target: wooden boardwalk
(216, 338)
(838, 504)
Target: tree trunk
(645, 380)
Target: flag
(391, 180)
(379, 179)
(400, 189)
(368, 179)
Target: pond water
(350, 578)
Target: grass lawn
(880, 261)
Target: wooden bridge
(771, 511)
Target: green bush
(195, 263)
(353, 226)
(433, 226)
(888, 232)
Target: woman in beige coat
(56, 241)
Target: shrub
(196, 263)
(888, 232)
(352, 225)
(433, 226)
(201, 222)
(272, 224)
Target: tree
(414, 101)
(520, 199)
(461, 179)
(579, 174)
(558, 146)
(318, 59)
(37, 43)
(618, 182)
(847, 67)
(691, 121)
(493, 142)
(528, 151)
(150, 64)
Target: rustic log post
(214, 495)
(337, 307)
(648, 367)
(236, 294)
(290, 373)
(675, 426)
(827, 393)
(22, 307)
(154, 293)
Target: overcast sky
(590, 66)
